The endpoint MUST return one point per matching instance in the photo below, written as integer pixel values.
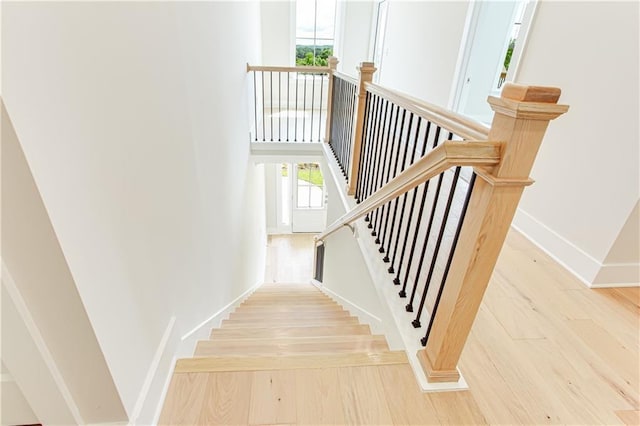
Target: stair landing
(291, 355)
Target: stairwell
(289, 354)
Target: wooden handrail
(443, 157)
(346, 77)
(461, 125)
(306, 69)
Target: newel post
(522, 115)
(365, 71)
(332, 62)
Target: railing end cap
(522, 93)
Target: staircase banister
(448, 154)
(306, 69)
(346, 77)
(463, 126)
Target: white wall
(277, 19)
(132, 119)
(587, 181)
(421, 48)
(49, 291)
(354, 34)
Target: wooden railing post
(365, 70)
(522, 115)
(332, 63)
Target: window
(315, 28)
(310, 186)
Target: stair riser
(288, 323)
(286, 350)
(227, 333)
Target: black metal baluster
(255, 108)
(288, 102)
(295, 121)
(320, 117)
(373, 154)
(378, 166)
(279, 104)
(390, 176)
(304, 108)
(271, 102)
(454, 244)
(425, 191)
(414, 194)
(313, 95)
(264, 134)
(397, 200)
(388, 158)
(374, 129)
(332, 128)
(363, 146)
(436, 250)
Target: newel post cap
(528, 102)
(332, 62)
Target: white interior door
(308, 207)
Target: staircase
(291, 355)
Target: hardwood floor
(289, 258)
(544, 350)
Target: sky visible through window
(315, 27)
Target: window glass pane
(325, 18)
(303, 197)
(305, 18)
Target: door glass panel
(310, 186)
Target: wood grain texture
(318, 400)
(226, 400)
(273, 397)
(363, 397)
(211, 364)
(338, 330)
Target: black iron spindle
(255, 108)
(378, 164)
(320, 118)
(386, 170)
(304, 108)
(454, 244)
(423, 200)
(313, 95)
(288, 102)
(436, 250)
(279, 104)
(391, 175)
(264, 134)
(271, 102)
(414, 194)
(363, 145)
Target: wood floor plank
(184, 400)
(212, 364)
(273, 397)
(629, 417)
(363, 398)
(317, 399)
(456, 408)
(408, 406)
(226, 399)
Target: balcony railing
(437, 192)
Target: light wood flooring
(289, 258)
(544, 350)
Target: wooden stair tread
(286, 346)
(288, 308)
(265, 332)
(249, 315)
(293, 362)
(288, 322)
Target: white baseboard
(583, 266)
(363, 315)
(161, 366)
(201, 331)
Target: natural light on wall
(315, 28)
